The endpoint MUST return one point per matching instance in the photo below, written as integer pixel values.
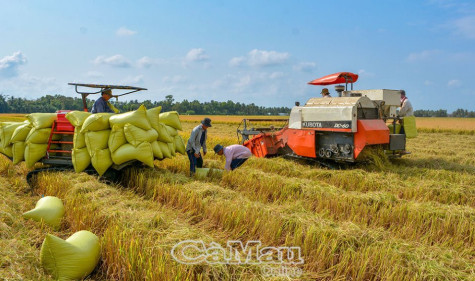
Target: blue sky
(263, 52)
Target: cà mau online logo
(235, 252)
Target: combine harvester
(101, 143)
(336, 129)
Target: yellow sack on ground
(127, 152)
(171, 146)
(101, 160)
(153, 116)
(163, 134)
(180, 145)
(136, 135)
(137, 118)
(165, 149)
(171, 119)
(202, 173)
(6, 132)
(41, 120)
(116, 138)
(21, 132)
(79, 139)
(81, 159)
(97, 140)
(171, 131)
(39, 136)
(409, 125)
(49, 209)
(157, 152)
(96, 122)
(18, 152)
(34, 152)
(77, 118)
(70, 259)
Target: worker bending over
(197, 141)
(102, 104)
(235, 154)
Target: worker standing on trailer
(406, 106)
(197, 141)
(102, 104)
(235, 154)
(325, 93)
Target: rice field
(406, 219)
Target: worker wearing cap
(196, 142)
(406, 106)
(325, 93)
(102, 104)
(235, 154)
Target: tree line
(51, 103)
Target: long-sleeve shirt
(406, 108)
(101, 105)
(235, 151)
(194, 142)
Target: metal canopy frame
(102, 87)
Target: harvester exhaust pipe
(339, 89)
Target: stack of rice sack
(19, 141)
(80, 156)
(7, 129)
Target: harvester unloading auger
(336, 129)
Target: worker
(406, 106)
(102, 104)
(196, 142)
(235, 154)
(325, 93)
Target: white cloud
(145, 62)
(465, 27)
(276, 75)
(305, 66)
(197, 54)
(266, 58)
(125, 32)
(260, 58)
(9, 64)
(133, 80)
(174, 79)
(421, 56)
(114, 61)
(454, 83)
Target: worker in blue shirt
(102, 104)
(196, 142)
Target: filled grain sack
(165, 149)
(202, 173)
(34, 152)
(163, 134)
(391, 128)
(38, 136)
(136, 135)
(137, 118)
(79, 139)
(153, 116)
(409, 125)
(180, 145)
(97, 140)
(70, 259)
(171, 146)
(101, 160)
(77, 118)
(49, 209)
(6, 132)
(81, 159)
(171, 131)
(127, 152)
(8, 150)
(157, 152)
(96, 122)
(171, 119)
(21, 132)
(18, 151)
(116, 138)
(41, 120)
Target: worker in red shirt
(235, 155)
